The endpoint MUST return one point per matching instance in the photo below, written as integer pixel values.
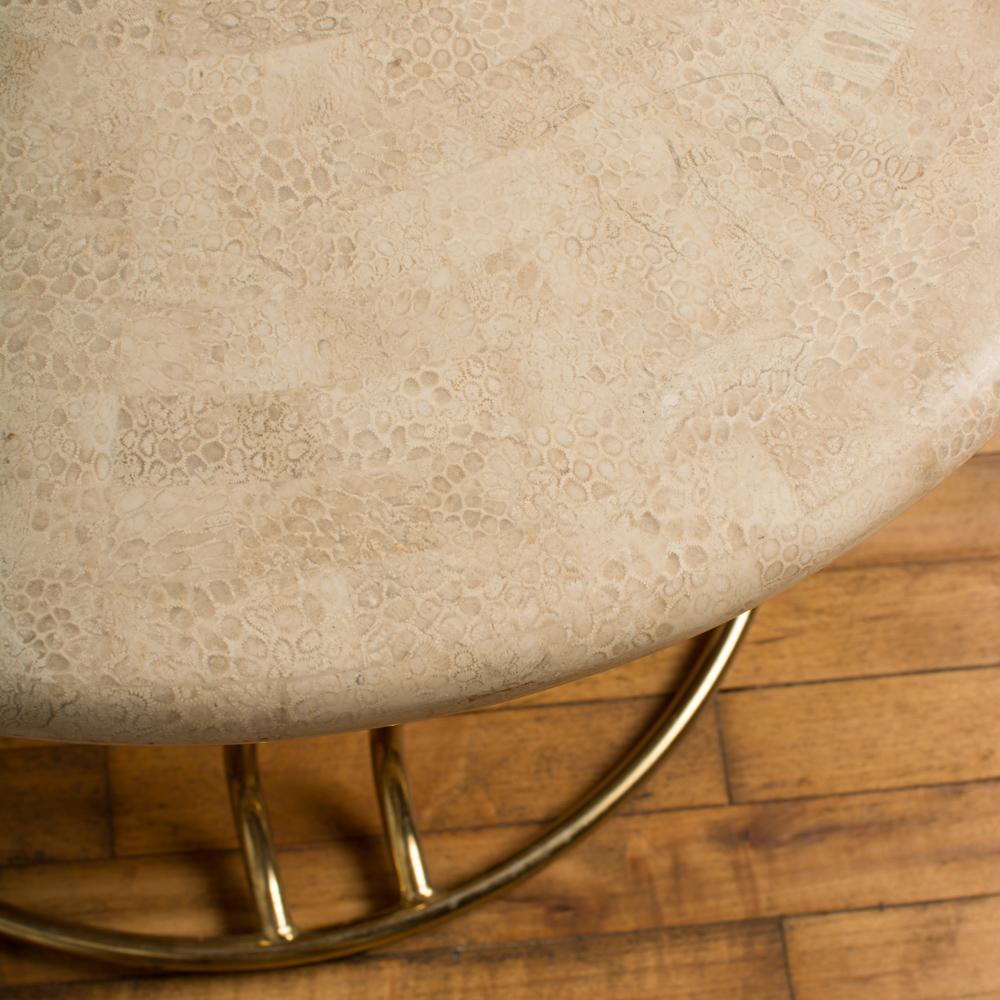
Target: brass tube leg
(397, 814)
(253, 828)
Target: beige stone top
(362, 360)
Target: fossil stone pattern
(362, 360)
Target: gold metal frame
(279, 944)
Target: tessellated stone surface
(361, 361)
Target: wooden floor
(829, 829)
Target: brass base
(279, 944)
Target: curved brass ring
(278, 944)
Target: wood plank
(181, 894)
(956, 520)
(753, 861)
(655, 674)
(18, 744)
(933, 951)
(509, 767)
(992, 447)
(873, 621)
(694, 964)
(637, 872)
(54, 804)
(858, 735)
(22, 964)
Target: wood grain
(875, 621)
(858, 735)
(934, 951)
(169, 799)
(702, 963)
(53, 801)
(696, 866)
(858, 740)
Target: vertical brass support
(397, 814)
(253, 828)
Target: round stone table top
(365, 360)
